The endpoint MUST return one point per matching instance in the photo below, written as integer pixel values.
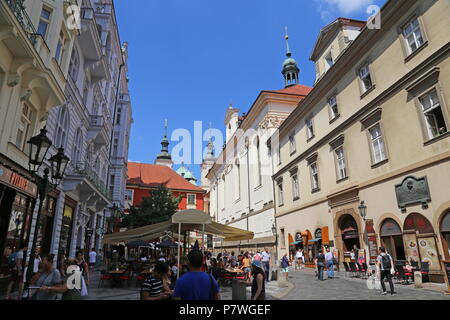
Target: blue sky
(189, 60)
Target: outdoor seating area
(126, 275)
(404, 272)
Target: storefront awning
(296, 242)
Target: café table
(116, 274)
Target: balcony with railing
(85, 169)
(98, 131)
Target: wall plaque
(411, 191)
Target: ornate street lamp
(363, 210)
(58, 165)
(39, 146)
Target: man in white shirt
(298, 259)
(266, 262)
(92, 258)
(329, 260)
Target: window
(224, 192)
(366, 79)
(433, 116)
(24, 127)
(295, 187)
(129, 195)
(76, 154)
(74, 65)
(314, 177)
(280, 193)
(309, 128)
(413, 36)
(59, 55)
(332, 103)
(191, 199)
(328, 61)
(292, 145)
(340, 163)
(377, 143)
(44, 21)
(237, 190)
(116, 146)
(62, 127)
(258, 163)
(119, 114)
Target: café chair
(425, 270)
(347, 268)
(104, 277)
(353, 269)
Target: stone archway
(338, 240)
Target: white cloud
(349, 6)
(330, 9)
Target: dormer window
(328, 61)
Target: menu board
(428, 252)
(361, 256)
(412, 251)
(373, 249)
(347, 257)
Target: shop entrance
(392, 239)
(445, 232)
(350, 234)
(420, 241)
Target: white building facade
(239, 180)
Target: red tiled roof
(298, 89)
(152, 175)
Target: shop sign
(412, 191)
(17, 182)
(318, 234)
(373, 249)
(298, 237)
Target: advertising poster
(428, 252)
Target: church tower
(164, 158)
(290, 69)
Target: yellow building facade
(373, 134)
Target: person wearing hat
(258, 282)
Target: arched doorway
(445, 233)
(420, 241)
(392, 239)
(349, 232)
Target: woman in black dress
(258, 282)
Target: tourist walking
(298, 259)
(285, 265)
(81, 263)
(329, 259)
(47, 281)
(257, 282)
(266, 262)
(15, 262)
(92, 258)
(156, 287)
(320, 264)
(195, 284)
(386, 269)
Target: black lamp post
(363, 210)
(39, 146)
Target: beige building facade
(372, 137)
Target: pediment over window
(371, 119)
(424, 82)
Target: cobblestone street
(307, 287)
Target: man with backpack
(15, 262)
(386, 266)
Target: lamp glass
(58, 165)
(39, 146)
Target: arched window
(238, 180)
(74, 65)
(258, 163)
(62, 127)
(76, 153)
